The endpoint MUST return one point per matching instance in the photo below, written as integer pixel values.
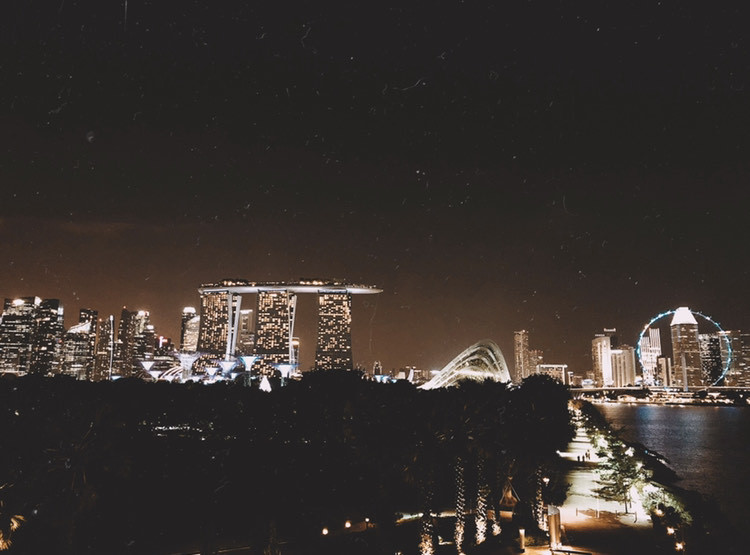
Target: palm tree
(9, 522)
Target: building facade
(522, 367)
(686, 356)
(601, 358)
(334, 342)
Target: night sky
(493, 166)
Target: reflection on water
(708, 447)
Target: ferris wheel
(680, 314)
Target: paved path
(591, 525)
(594, 525)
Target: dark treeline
(135, 467)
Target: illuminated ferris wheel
(691, 351)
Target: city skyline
(34, 338)
(549, 168)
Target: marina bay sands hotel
(275, 309)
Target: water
(708, 447)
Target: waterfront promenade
(594, 525)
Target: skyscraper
(79, 346)
(213, 335)
(685, 349)
(274, 346)
(334, 345)
(190, 323)
(105, 350)
(744, 360)
(46, 347)
(125, 344)
(601, 358)
(623, 366)
(144, 340)
(650, 352)
(274, 327)
(731, 339)
(16, 334)
(709, 345)
(521, 352)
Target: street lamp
(348, 524)
(324, 531)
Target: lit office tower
(124, 355)
(189, 330)
(521, 351)
(76, 355)
(710, 352)
(650, 353)
(46, 344)
(743, 357)
(246, 332)
(334, 346)
(274, 326)
(188, 313)
(623, 366)
(16, 332)
(144, 340)
(685, 350)
(601, 358)
(89, 315)
(731, 339)
(79, 346)
(105, 346)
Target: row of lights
(347, 524)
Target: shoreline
(680, 402)
(695, 515)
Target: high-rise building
(650, 352)
(188, 317)
(225, 328)
(685, 349)
(731, 341)
(79, 345)
(274, 327)
(522, 367)
(190, 330)
(76, 354)
(744, 360)
(125, 344)
(334, 346)
(105, 350)
(144, 340)
(213, 335)
(709, 345)
(46, 343)
(16, 334)
(623, 366)
(89, 315)
(601, 357)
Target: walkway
(594, 525)
(590, 525)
